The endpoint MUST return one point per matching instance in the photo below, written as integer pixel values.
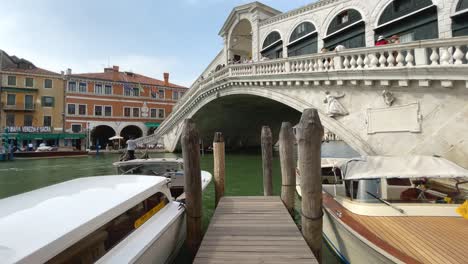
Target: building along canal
(243, 175)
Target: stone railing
(434, 54)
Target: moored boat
(105, 219)
(385, 210)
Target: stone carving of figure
(335, 108)
(388, 97)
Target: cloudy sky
(143, 36)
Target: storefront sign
(29, 129)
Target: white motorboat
(104, 219)
(389, 210)
(172, 168)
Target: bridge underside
(240, 119)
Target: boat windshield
(151, 168)
(365, 190)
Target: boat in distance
(391, 210)
(101, 219)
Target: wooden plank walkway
(252, 230)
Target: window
(161, 94)
(28, 120)
(12, 80)
(72, 86)
(108, 111)
(175, 95)
(127, 111)
(343, 17)
(29, 102)
(98, 88)
(136, 92)
(161, 113)
(401, 5)
(153, 113)
(29, 82)
(108, 89)
(98, 110)
(82, 109)
(47, 83)
(71, 109)
(76, 128)
(47, 101)
(408, 37)
(47, 121)
(154, 94)
(82, 87)
(181, 94)
(11, 99)
(127, 91)
(136, 112)
(10, 119)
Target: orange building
(115, 103)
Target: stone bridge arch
(353, 140)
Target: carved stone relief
(334, 107)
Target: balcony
(19, 107)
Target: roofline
(52, 74)
(246, 6)
(108, 80)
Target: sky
(143, 36)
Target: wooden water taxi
(105, 219)
(385, 210)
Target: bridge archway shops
(100, 136)
(240, 42)
(347, 29)
(272, 47)
(131, 131)
(460, 19)
(303, 40)
(411, 20)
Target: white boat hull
(347, 244)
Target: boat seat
(86, 251)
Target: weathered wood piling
(288, 176)
(267, 160)
(309, 138)
(219, 166)
(193, 189)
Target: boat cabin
(79, 221)
(395, 179)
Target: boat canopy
(373, 167)
(37, 225)
(148, 161)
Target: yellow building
(31, 102)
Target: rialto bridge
(394, 99)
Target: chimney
(166, 78)
(115, 75)
(69, 71)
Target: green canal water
(243, 176)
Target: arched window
(409, 19)
(303, 40)
(272, 47)
(460, 19)
(347, 29)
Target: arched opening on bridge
(409, 19)
(240, 42)
(303, 40)
(131, 131)
(272, 47)
(100, 135)
(347, 29)
(241, 117)
(460, 19)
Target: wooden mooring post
(267, 161)
(309, 138)
(219, 166)
(193, 190)
(288, 177)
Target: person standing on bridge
(131, 146)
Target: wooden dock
(251, 230)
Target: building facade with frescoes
(117, 103)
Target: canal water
(243, 176)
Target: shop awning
(151, 124)
(31, 136)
